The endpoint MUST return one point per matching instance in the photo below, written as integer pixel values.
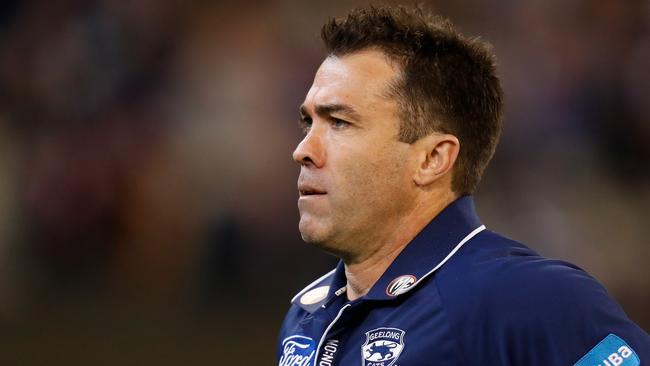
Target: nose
(310, 151)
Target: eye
(339, 123)
(305, 124)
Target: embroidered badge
(297, 351)
(383, 346)
(400, 285)
(611, 351)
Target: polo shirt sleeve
(535, 311)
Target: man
(401, 120)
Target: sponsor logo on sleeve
(611, 351)
(383, 346)
(297, 351)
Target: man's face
(356, 177)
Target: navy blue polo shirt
(459, 294)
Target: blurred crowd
(145, 152)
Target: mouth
(310, 191)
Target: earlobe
(436, 157)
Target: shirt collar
(323, 290)
(428, 251)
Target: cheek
(375, 176)
(387, 179)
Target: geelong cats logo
(383, 346)
(297, 351)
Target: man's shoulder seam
(313, 284)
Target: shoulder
(514, 304)
(497, 271)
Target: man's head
(447, 82)
(402, 107)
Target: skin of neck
(363, 271)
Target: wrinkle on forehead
(356, 77)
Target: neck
(363, 270)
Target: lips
(308, 190)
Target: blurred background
(147, 192)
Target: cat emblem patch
(383, 346)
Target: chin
(314, 232)
(311, 233)
(323, 239)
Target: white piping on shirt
(322, 338)
(453, 251)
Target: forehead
(357, 79)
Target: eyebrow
(328, 109)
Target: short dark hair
(447, 83)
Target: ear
(436, 155)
